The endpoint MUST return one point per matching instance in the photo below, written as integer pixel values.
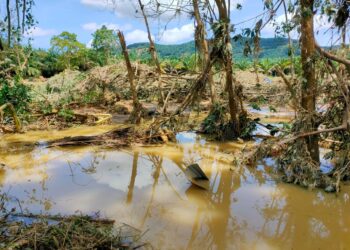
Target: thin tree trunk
(233, 98)
(309, 84)
(203, 48)
(290, 42)
(1, 45)
(153, 52)
(9, 27)
(344, 36)
(24, 15)
(132, 178)
(256, 70)
(18, 20)
(129, 68)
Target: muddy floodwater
(245, 208)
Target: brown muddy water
(245, 208)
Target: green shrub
(66, 114)
(243, 64)
(215, 122)
(249, 126)
(91, 97)
(218, 125)
(17, 94)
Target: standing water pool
(144, 186)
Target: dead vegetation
(28, 231)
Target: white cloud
(136, 36)
(100, 4)
(112, 26)
(321, 24)
(122, 8)
(89, 44)
(176, 35)
(169, 36)
(40, 32)
(171, 10)
(269, 29)
(130, 8)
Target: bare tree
(1, 43)
(202, 45)
(136, 115)
(223, 31)
(24, 10)
(9, 26)
(18, 29)
(153, 52)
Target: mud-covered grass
(73, 98)
(27, 231)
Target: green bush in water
(218, 124)
(215, 121)
(249, 126)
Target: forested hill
(270, 48)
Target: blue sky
(83, 17)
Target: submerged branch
(317, 132)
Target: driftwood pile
(116, 138)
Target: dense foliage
(17, 94)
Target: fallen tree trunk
(116, 138)
(278, 146)
(332, 57)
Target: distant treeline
(271, 48)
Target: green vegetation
(224, 86)
(67, 52)
(272, 48)
(105, 45)
(16, 93)
(71, 54)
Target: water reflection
(145, 187)
(132, 178)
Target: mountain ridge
(269, 48)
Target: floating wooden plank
(197, 177)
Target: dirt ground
(72, 98)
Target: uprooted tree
(298, 152)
